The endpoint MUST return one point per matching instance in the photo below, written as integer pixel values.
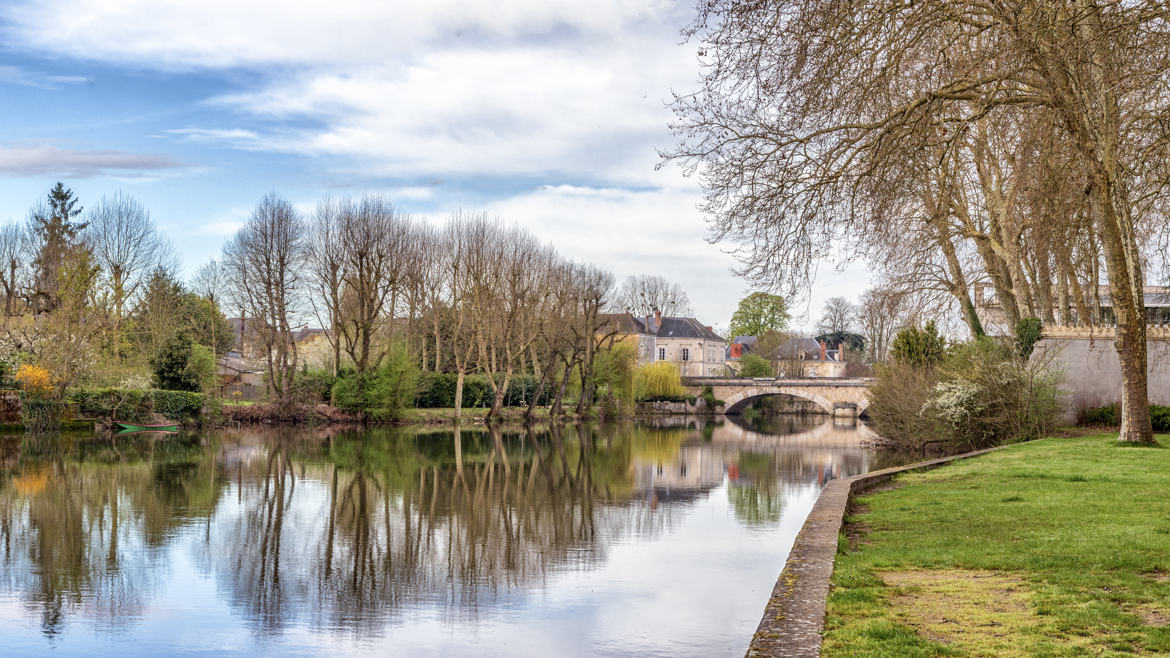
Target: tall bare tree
(127, 245)
(13, 256)
(266, 260)
(805, 106)
(375, 249)
(645, 294)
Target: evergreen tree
(56, 234)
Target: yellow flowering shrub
(34, 380)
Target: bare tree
(374, 247)
(881, 314)
(838, 316)
(645, 294)
(326, 259)
(13, 256)
(266, 261)
(127, 246)
(211, 282)
(805, 107)
(507, 323)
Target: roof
(750, 341)
(792, 348)
(670, 328)
(623, 323)
(686, 328)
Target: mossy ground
(1059, 547)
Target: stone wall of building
(1090, 371)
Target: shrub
(709, 398)
(436, 390)
(383, 393)
(313, 386)
(1109, 415)
(182, 406)
(35, 381)
(658, 380)
(1027, 333)
(139, 406)
(170, 365)
(979, 395)
(752, 365)
(1106, 415)
(201, 366)
(123, 404)
(40, 414)
(919, 347)
(1160, 418)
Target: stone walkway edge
(795, 615)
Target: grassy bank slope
(1056, 547)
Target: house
(629, 329)
(739, 347)
(692, 346)
(807, 357)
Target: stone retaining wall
(10, 408)
(795, 615)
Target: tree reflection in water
(345, 530)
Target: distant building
(689, 344)
(739, 347)
(994, 319)
(807, 357)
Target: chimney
(822, 344)
(840, 351)
(711, 328)
(649, 328)
(657, 318)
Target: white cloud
(45, 160)
(545, 88)
(228, 33)
(24, 77)
(243, 138)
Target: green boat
(138, 427)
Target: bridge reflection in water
(388, 540)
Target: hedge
(41, 415)
(437, 390)
(1109, 415)
(139, 406)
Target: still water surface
(609, 540)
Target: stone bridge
(845, 397)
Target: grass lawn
(1059, 547)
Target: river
(599, 540)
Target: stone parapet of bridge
(849, 397)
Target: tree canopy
(758, 313)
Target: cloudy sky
(545, 112)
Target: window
(686, 354)
(661, 353)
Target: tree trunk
(501, 392)
(529, 413)
(1122, 258)
(459, 392)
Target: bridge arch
(740, 399)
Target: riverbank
(324, 414)
(1054, 547)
